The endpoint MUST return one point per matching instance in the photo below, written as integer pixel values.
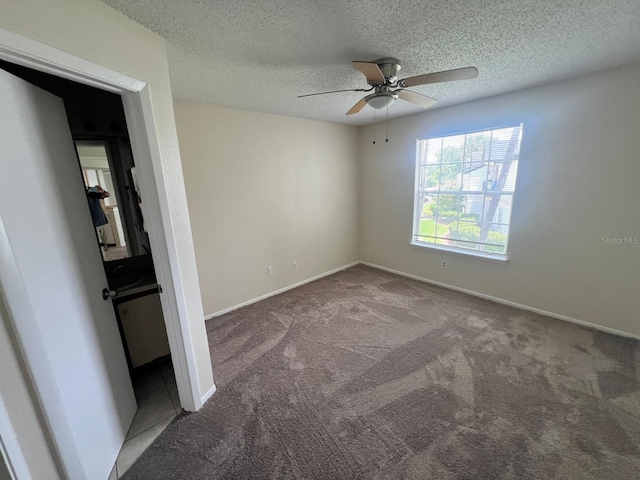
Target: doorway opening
(98, 127)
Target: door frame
(137, 105)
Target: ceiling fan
(381, 76)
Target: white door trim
(136, 99)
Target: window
(464, 190)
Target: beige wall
(578, 181)
(266, 190)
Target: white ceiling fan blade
(416, 98)
(446, 76)
(336, 91)
(371, 71)
(357, 107)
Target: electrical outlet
(294, 265)
(270, 270)
(444, 264)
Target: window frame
(418, 203)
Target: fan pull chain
(374, 126)
(387, 127)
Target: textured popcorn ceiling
(259, 55)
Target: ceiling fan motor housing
(389, 68)
(383, 96)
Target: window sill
(502, 259)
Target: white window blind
(464, 190)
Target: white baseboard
(509, 303)
(207, 395)
(281, 290)
(433, 282)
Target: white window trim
(491, 257)
(501, 258)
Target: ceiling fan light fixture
(381, 100)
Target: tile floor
(158, 404)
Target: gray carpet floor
(368, 375)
